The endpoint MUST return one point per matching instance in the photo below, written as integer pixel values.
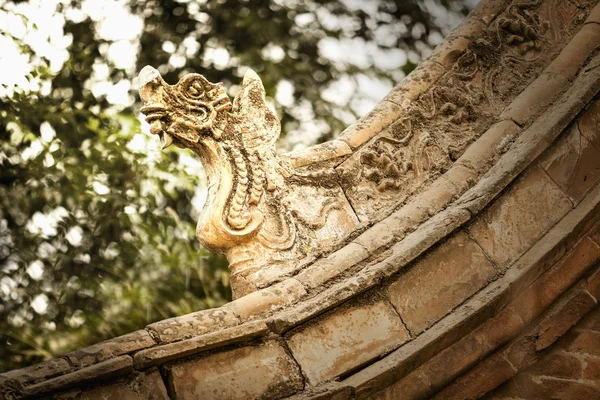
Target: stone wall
(474, 270)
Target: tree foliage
(96, 225)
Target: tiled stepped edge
(361, 285)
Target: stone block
(562, 317)
(38, 372)
(573, 163)
(576, 52)
(520, 217)
(346, 339)
(521, 352)
(593, 284)
(376, 120)
(533, 387)
(591, 370)
(250, 372)
(328, 391)
(161, 354)
(125, 344)
(500, 329)
(594, 17)
(487, 375)
(269, 299)
(535, 98)
(589, 124)
(462, 177)
(586, 342)
(413, 386)
(535, 299)
(559, 365)
(454, 361)
(143, 387)
(591, 321)
(318, 153)
(193, 324)
(416, 243)
(325, 300)
(115, 367)
(481, 154)
(335, 264)
(442, 280)
(379, 235)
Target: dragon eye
(195, 90)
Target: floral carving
(523, 28)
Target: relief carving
(261, 212)
(497, 64)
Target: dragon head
(183, 113)
(259, 211)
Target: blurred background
(96, 223)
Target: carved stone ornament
(263, 214)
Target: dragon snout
(152, 92)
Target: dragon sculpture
(261, 212)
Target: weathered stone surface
(574, 55)
(563, 316)
(591, 321)
(484, 377)
(528, 386)
(594, 17)
(346, 339)
(443, 334)
(143, 387)
(518, 219)
(534, 140)
(318, 153)
(416, 83)
(197, 323)
(328, 391)
(114, 367)
(591, 370)
(269, 299)
(379, 235)
(486, 11)
(535, 98)
(559, 240)
(573, 163)
(455, 44)
(443, 279)
(482, 153)
(335, 295)
(589, 124)
(336, 263)
(251, 372)
(414, 386)
(161, 354)
(593, 284)
(556, 280)
(417, 242)
(371, 124)
(461, 176)
(38, 372)
(586, 342)
(125, 344)
(558, 364)
(505, 325)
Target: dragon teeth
(166, 140)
